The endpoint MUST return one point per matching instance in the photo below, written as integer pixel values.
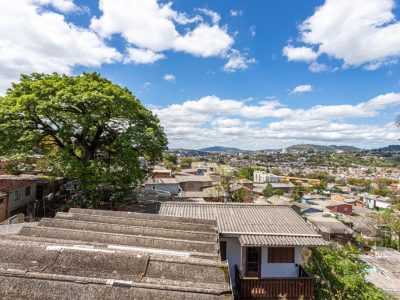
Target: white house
(264, 177)
(375, 201)
(163, 184)
(259, 242)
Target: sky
(248, 74)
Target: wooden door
(253, 262)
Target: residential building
(375, 201)
(262, 244)
(264, 177)
(329, 227)
(92, 254)
(163, 184)
(384, 269)
(20, 191)
(193, 183)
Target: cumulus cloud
(38, 40)
(358, 33)
(301, 89)
(152, 28)
(169, 77)
(195, 123)
(142, 56)
(237, 61)
(299, 53)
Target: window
(281, 255)
(1, 201)
(27, 191)
(16, 195)
(253, 261)
(222, 250)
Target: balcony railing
(274, 288)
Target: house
(375, 201)
(329, 227)
(169, 185)
(20, 192)
(193, 183)
(333, 206)
(162, 173)
(93, 254)
(264, 177)
(262, 244)
(309, 198)
(384, 270)
(284, 187)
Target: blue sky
(249, 74)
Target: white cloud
(357, 32)
(299, 53)
(169, 77)
(210, 119)
(237, 61)
(204, 41)
(37, 40)
(317, 67)
(215, 17)
(235, 13)
(301, 89)
(252, 30)
(152, 27)
(142, 56)
(61, 5)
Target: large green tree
(85, 127)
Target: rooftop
(253, 223)
(93, 254)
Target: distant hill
(322, 148)
(222, 149)
(389, 148)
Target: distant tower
(283, 151)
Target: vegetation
(391, 220)
(85, 127)
(339, 274)
(246, 173)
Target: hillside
(322, 148)
(222, 149)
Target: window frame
(281, 255)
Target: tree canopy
(339, 274)
(85, 127)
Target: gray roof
(194, 178)
(90, 254)
(328, 223)
(386, 274)
(252, 223)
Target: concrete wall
(233, 253)
(3, 207)
(280, 269)
(172, 188)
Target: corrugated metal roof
(273, 240)
(269, 224)
(93, 254)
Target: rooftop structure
(92, 254)
(257, 220)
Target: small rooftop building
(262, 244)
(92, 254)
